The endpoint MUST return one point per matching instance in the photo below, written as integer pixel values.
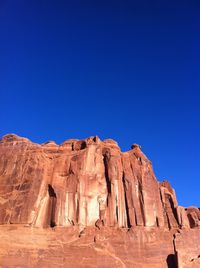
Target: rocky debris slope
(89, 183)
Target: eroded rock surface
(91, 184)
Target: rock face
(90, 184)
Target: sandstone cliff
(91, 184)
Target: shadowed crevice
(52, 206)
(126, 202)
(171, 261)
(108, 183)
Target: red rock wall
(84, 183)
(187, 245)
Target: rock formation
(92, 187)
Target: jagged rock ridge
(85, 183)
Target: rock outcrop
(90, 184)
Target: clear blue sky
(127, 70)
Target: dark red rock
(193, 214)
(91, 184)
